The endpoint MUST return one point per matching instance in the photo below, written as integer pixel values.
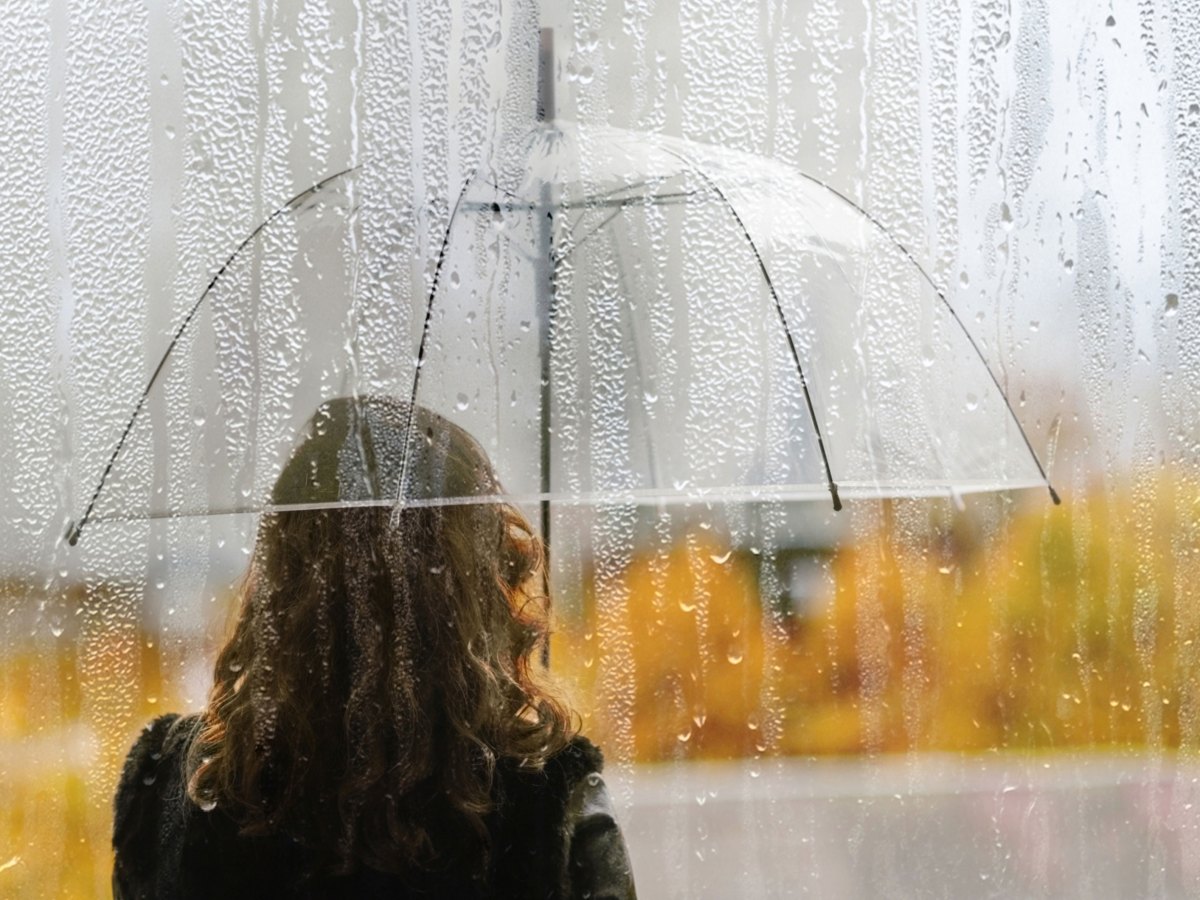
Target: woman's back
(376, 723)
(551, 835)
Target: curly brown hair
(381, 663)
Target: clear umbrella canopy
(611, 315)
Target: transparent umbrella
(613, 316)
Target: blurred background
(965, 695)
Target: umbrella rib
(787, 332)
(953, 314)
(75, 528)
(425, 328)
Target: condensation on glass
(955, 239)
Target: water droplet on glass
(461, 402)
(455, 280)
(1172, 305)
(972, 403)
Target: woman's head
(382, 656)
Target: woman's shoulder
(159, 751)
(155, 755)
(578, 758)
(168, 734)
(150, 808)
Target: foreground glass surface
(919, 697)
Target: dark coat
(553, 836)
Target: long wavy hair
(381, 666)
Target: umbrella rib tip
(73, 530)
(1054, 494)
(837, 501)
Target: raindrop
(1034, 324)
(964, 279)
(1172, 305)
(525, 325)
(721, 558)
(455, 280)
(735, 657)
(149, 778)
(972, 403)
(207, 805)
(461, 402)
(170, 129)
(1110, 21)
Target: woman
(374, 727)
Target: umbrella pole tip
(73, 531)
(837, 501)
(1054, 495)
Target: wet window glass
(799, 400)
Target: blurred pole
(545, 300)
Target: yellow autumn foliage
(1073, 626)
